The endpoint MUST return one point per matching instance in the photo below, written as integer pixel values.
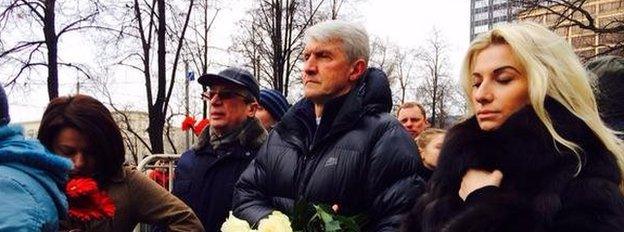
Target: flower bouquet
(86, 201)
(305, 218)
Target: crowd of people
(539, 150)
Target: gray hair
(353, 36)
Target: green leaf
(330, 224)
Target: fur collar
(535, 169)
(525, 152)
(251, 136)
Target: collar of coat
(526, 153)
(370, 95)
(251, 135)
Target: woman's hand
(475, 179)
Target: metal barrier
(150, 162)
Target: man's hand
(475, 179)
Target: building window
(499, 13)
(609, 39)
(479, 29)
(562, 31)
(498, 2)
(576, 30)
(584, 41)
(611, 21)
(500, 19)
(611, 7)
(500, 22)
(480, 16)
(481, 3)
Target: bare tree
(270, 41)
(405, 73)
(381, 56)
(149, 38)
(132, 133)
(580, 14)
(196, 48)
(41, 47)
(399, 64)
(437, 91)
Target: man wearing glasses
(205, 175)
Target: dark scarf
(249, 134)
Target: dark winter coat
(359, 157)
(539, 190)
(609, 90)
(205, 177)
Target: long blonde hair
(552, 69)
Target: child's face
(431, 151)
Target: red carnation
(188, 123)
(80, 186)
(200, 126)
(86, 201)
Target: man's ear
(359, 67)
(252, 108)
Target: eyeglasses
(223, 95)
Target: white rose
(233, 224)
(276, 222)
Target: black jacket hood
(369, 96)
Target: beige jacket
(140, 200)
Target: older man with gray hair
(339, 145)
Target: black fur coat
(539, 190)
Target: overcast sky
(404, 22)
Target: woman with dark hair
(83, 130)
(535, 155)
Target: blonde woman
(535, 155)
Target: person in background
(82, 129)
(535, 155)
(609, 90)
(429, 143)
(205, 175)
(413, 117)
(32, 180)
(272, 106)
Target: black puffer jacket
(539, 190)
(359, 157)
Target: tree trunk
(157, 114)
(155, 130)
(51, 41)
(205, 60)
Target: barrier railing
(150, 162)
(158, 162)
